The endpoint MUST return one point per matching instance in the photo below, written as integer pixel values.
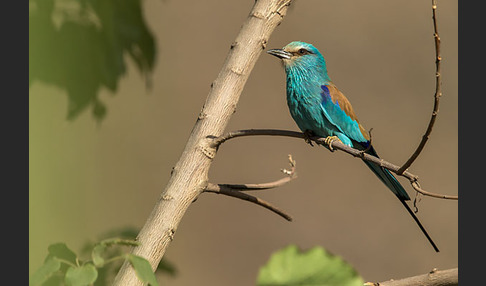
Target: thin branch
(336, 144)
(435, 277)
(255, 132)
(437, 95)
(417, 187)
(258, 187)
(291, 174)
(225, 190)
(235, 190)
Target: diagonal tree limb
(437, 95)
(190, 175)
(335, 144)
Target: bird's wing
(339, 112)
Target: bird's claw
(307, 137)
(329, 139)
(361, 153)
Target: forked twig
(218, 189)
(417, 187)
(235, 190)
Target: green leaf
(61, 251)
(81, 276)
(88, 50)
(290, 266)
(96, 255)
(143, 269)
(50, 266)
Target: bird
(319, 108)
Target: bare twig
(235, 190)
(258, 187)
(255, 132)
(335, 144)
(417, 187)
(435, 277)
(437, 95)
(291, 174)
(225, 190)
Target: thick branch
(336, 145)
(437, 95)
(190, 175)
(435, 277)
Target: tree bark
(190, 175)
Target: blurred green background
(105, 167)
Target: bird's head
(301, 57)
(299, 54)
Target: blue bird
(320, 109)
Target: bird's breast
(306, 110)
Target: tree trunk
(190, 175)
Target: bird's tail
(420, 225)
(392, 183)
(388, 179)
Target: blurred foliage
(316, 266)
(125, 233)
(80, 46)
(63, 266)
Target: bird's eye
(303, 51)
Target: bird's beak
(279, 53)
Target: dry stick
(449, 277)
(265, 186)
(234, 190)
(437, 95)
(258, 187)
(417, 187)
(190, 175)
(228, 191)
(337, 145)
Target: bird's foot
(307, 137)
(361, 153)
(329, 139)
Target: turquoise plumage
(319, 108)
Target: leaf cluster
(63, 266)
(291, 266)
(82, 46)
